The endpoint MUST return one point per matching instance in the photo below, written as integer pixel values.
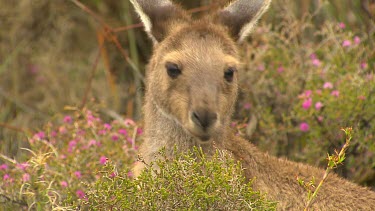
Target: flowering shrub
(62, 157)
(85, 162)
(323, 86)
(189, 181)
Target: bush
(302, 92)
(189, 181)
(61, 157)
(84, 162)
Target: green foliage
(83, 161)
(62, 156)
(189, 181)
(303, 83)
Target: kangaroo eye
(173, 70)
(228, 74)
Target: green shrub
(305, 82)
(83, 161)
(61, 157)
(189, 181)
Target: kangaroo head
(192, 76)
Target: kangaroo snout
(202, 123)
(203, 118)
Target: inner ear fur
(241, 16)
(159, 17)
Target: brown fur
(203, 50)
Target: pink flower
(139, 131)
(320, 118)
(342, 25)
(305, 94)
(361, 97)
(280, 69)
(318, 105)
(68, 119)
(53, 133)
(64, 184)
(318, 91)
(22, 166)
(357, 40)
(78, 174)
(327, 85)
(90, 123)
(102, 132)
(40, 135)
(33, 69)
(370, 76)
(123, 132)
(308, 93)
(364, 65)
(62, 130)
(72, 143)
(4, 167)
(313, 56)
(115, 137)
(261, 67)
(107, 126)
(25, 177)
(90, 117)
(247, 106)
(80, 194)
(113, 175)
(316, 62)
(92, 142)
(346, 43)
(81, 132)
(335, 93)
(304, 127)
(130, 174)
(129, 122)
(307, 103)
(130, 140)
(103, 160)
(6, 177)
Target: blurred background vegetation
(49, 50)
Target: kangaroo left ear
(159, 17)
(241, 16)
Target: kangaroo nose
(203, 118)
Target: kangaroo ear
(241, 16)
(159, 17)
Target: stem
(337, 160)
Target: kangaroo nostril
(203, 118)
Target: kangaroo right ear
(241, 16)
(158, 17)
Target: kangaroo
(191, 90)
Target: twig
(125, 28)
(8, 159)
(114, 115)
(92, 13)
(134, 136)
(89, 83)
(10, 127)
(333, 162)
